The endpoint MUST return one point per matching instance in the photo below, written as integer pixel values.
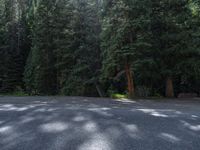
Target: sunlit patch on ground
(90, 126)
(125, 100)
(169, 137)
(191, 126)
(97, 142)
(6, 130)
(54, 127)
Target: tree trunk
(99, 90)
(130, 83)
(129, 74)
(169, 87)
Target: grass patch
(16, 93)
(119, 96)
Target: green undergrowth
(118, 96)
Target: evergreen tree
(123, 36)
(15, 48)
(2, 42)
(83, 75)
(62, 39)
(171, 30)
(40, 74)
(76, 47)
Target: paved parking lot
(77, 123)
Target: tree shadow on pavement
(86, 124)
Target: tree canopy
(100, 47)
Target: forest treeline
(100, 47)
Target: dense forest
(100, 47)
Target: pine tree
(171, 31)
(83, 74)
(15, 48)
(2, 42)
(40, 74)
(62, 38)
(122, 38)
(75, 47)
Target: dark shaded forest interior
(138, 48)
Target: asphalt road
(75, 123)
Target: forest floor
(78, 123)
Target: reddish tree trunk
(169, 87)
(130, 83)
